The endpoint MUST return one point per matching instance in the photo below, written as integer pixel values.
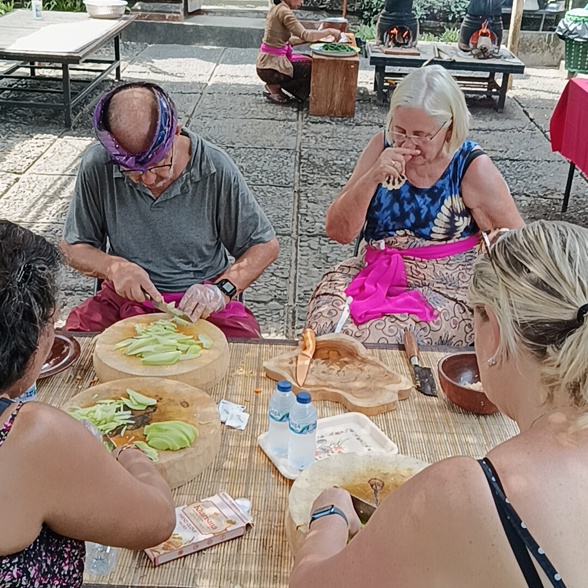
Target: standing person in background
(59, 486)
(277, 66)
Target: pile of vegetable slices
(113, 416)
(160, 343)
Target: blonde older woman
(422, 191)
(518, 517)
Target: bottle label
(279, 417)
(302, 428)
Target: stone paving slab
(545, 179)
(314, 201)
(263, 167)
(501, 144)
(233, 132)
(249, 106)
(327, 164)
(37, 197)
(7, 181)
(62, 158)
(278, 204)
(329, 135)
(19, 151)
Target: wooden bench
(391, 68)
(62, 41)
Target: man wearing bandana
(158, 213)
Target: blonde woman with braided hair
(518, 517)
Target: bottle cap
(284, 386)
(303, 397)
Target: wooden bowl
(458, 370)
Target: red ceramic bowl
(455, 372)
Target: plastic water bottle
(100, 559)
(37, 8)
(302, 433)
(30, 394)
(280, 405)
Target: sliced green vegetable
(160, 343)
(170, 435)
(148, 451)
(206, 341)
(169, 358)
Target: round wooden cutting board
(176, 401)
(350, 471)
(203, 372)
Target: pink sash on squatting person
(381, 287)
(286, 50)
(107, 307)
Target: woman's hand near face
(392, 163)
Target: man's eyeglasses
(417, 139)
(159, 170)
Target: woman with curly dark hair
(58, 485)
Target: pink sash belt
(381, 287)
(285, 51)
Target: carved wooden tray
(343, 371)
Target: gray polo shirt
(183, 237)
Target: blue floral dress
(405, 218)
(51, 561)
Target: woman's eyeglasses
(417, 139)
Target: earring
(491, 362)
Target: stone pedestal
(168, 10)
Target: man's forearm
(252, 264)
(87, 259)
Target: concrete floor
(295, 164)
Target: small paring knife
(305, 355)
(163, 307)
(423, 376)
(363, 509)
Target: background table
(568, 130)
(389, 66)
(424, 427)
(64, 38)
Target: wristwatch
(325, 511)
(227, 288)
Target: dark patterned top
(51, 561)
(437, 213)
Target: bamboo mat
(424, 427)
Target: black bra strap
(516, 543)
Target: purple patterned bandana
(162, 139)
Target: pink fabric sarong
(106, 308)
(381, 286)
(285, 51)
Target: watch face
(319, 512)
(227, 288)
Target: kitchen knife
(163, 307)
(423, 376)
(304, 359)
(363, 509)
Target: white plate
(351, 432)
(318, 48)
